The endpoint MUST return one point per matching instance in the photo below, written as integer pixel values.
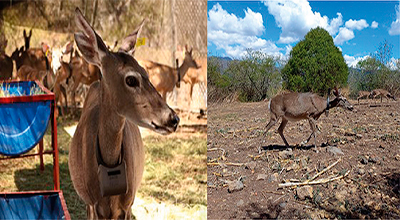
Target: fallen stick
(321, 181)
(222, 157)
(212, 164)
(234, 164)
(228, 164)
(324, 170)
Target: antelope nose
(174, 120)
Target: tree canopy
(315, 64)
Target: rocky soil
(354, 174)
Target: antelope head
(125, 86)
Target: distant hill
(224, 61)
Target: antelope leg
(280, 130)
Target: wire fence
(170, 25)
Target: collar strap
(100, 160)
(327, 103)
(178, 70)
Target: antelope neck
(183, 69)
(100, 158)
(332, 104)
(110, 133)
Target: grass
(173, 185)
(5, 91)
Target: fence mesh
(170, 25)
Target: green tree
(255, 76)
(376, 71)
(214, 74)
(315, 64)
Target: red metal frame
(36, 98)
(44, 192)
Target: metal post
(41, 155)
(56, 169)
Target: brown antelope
(6, 63)
(37, 58)
(27, 38)
(363, 94)
(163, 77)
(382, 93)
(298, 106)
(107, 134)
(196, 75)
(6, 66)
(82, 72)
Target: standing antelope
(6, 66)
(382, 93)
(107, 134)
(298, 106)
(6, 63)
(363, 94)
(163, 77)
(196, 75)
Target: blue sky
(274, 27)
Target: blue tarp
(22, 206)
(23, 124)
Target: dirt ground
(359, 149)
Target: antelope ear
(24, 33)
(89, 43)
(30, 33)
(128, 44)
(336, 92)
(68, 47)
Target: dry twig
(324, 170)
(321, 181)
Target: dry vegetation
(174, 183)
(358, 154)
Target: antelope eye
(132, 81)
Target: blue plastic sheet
(24, 206)
(22, 124)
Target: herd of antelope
(63, 70)
(124, 93)
(375, 93)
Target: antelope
(382, 93)
(27, 39)
(38, 58)
(298, 106)
(63, 72)
(363, 94)
(6, 64)
(196, 75)
(163, 77)
(82, 72)
(107, 133)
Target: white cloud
(393, 64)
(356, 24)
(219, 19)
(344, 35)
(288, 49)
(352, 61)
(395, 26)
(374, 24)
(333, 28)
(296, 18)
(235, 35)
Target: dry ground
(245, 164)
(173, 185)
